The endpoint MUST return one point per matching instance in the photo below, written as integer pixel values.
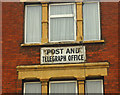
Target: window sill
(63, 43)
(94, 41)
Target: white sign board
(73, 54)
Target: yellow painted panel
(78, 71)
(79, 22)
(44, 23)
(81, 87)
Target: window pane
(91, 0)
(94, 86)
(61, 29)
(61, 9)
(91, 21)
(33, 24)
(65, 87)
(32, 87)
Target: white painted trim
(49, 24)
(28, 83)
(99, 21)
(25, 21)
(98, 80)
(75, 23)
(67, 15)
(32, 42)
(63, 41)
(62, 4)
(60, 16)
(64, 82)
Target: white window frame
(29, 83)
(63, 82)
(98, 19)
(59, 16)
(25, 34)
(97, 80)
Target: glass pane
(91, 21)
(68, 87)
(93, 87)
(61, 29)
(91, 1)
(33, 24)
(32, 88)
(61, 9)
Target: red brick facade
(14, 55)
(119, 47)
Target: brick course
(13, 54)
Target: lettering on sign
(72, 54)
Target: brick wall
(14, 54)
(12, 36)
(119, 45)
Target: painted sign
(73, 54)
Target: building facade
(60, 47)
